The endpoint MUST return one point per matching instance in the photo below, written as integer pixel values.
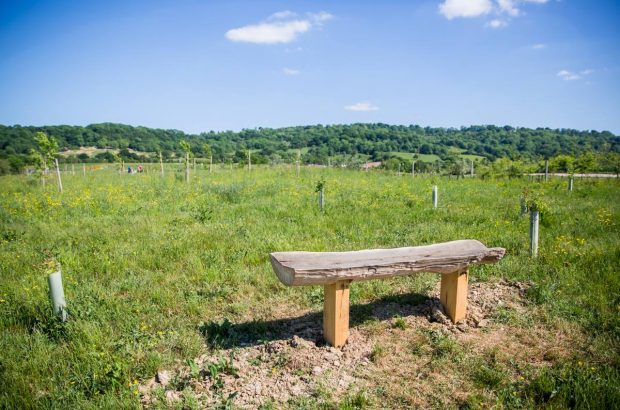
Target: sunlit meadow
(147, 259)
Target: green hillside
(318, 143)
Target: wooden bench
(336, 270)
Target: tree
(188, 150)
(45, 154)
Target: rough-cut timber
(324, 268)
(336, 313)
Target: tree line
(339, 144)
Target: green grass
(433, 157)
(149, 263)
(421, 157)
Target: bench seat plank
(323, 268)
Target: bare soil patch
(409, 354)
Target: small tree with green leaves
(208, 154)
(320, 186)
(188, 151)
(118, 160)
(45, 154)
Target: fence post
(435, 196)
(570, 184)
(546, 170)
(161, 164)
(534, 218)
(57, 295)
(413, 169)
(321, 199)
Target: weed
(399, 323)
(576, 385)
(442, 344)
(376, 353)
(356, 401)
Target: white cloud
(504, 10)
(497, 23)
(361, 106)
(538, 46)
(290, 71)
(282, 15)
(509, 7)
(280, 27)
(320, 17)
(568, 75)
(465, 8)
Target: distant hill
(371, 141)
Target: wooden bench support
(453, 294)
(336, 313)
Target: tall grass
(147, 259)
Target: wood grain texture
(323, 268)
(336, 313)
(453, 294)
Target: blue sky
(216, 65)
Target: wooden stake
(43, 172)
(210, 163)
(453, 294)
(72, 169)
(435, 196)
(471, 169)
(58, 174)
(84, 169)
(546, 170)
(187, 167)
(570, 184)
(161, 164)
(321, 200)
(249, 160)
(336, 313)
(413, 169)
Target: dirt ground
(411, 354)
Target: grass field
(433, 157)
(150, 262)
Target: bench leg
(453, 294)
(336, 313)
